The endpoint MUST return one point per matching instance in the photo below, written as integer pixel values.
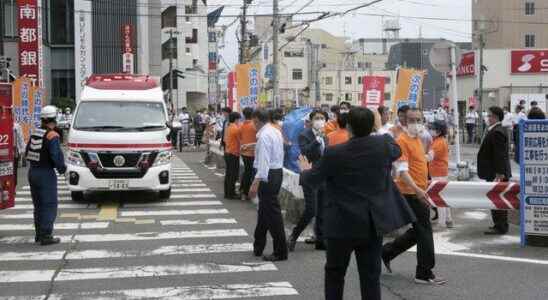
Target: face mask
(318, 124)
(344, 111)
(413, 129)
(420, 128)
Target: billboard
(373, 91)
(247, 85)
(529, 61)
(409, 87)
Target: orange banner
(247, 85)
(27, 104)
(409, 87)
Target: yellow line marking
(109, 211)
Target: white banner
(83, 46)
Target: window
(348, 97)
(328, 80)
(62, 84)
(187, 19)
(364, 65)
(360, 80)
(529, 8)
(328, 97)
(387, 97)
(194, 38)
(347, 80)
(360, 96)
(191, 9)
(166, 47)
(297, 74)
(194, 63)
(324, 46)
(165, 81)
(529, 40)
(10, 17)
(187, 51)
(169, 17)
(61, 25)
(212, 37)
(294, 53)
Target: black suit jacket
(360, 191)
(493, 157)
(309, 145)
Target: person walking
(248, 139)
(232, 155)
(493, 163)
(412, 181)
(185, 120)
(44, 155)
(438, 166)
(199, 127)
(312, 143)
(471, 123)
(269, 158)
(363, 203)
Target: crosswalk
(190, 248)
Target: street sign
(534, 178)
(440, 56)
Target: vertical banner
(29, 52)
(127, 49)
(247, 79)
(534, 178)
(373, 92)
(83, 55)
(7, 175)
(408, 87)
(230, 89)
(27, 104)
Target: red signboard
(373, 91)
(7, 177)
(472, 101)
(231, 87)
(28, 39)
(529, 61)
(467, 66)
(127, 49)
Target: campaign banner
(373, 91)
(27, 105)
(7, 174)
(29, 45)
(231, 85)
(127, 49)
(534, 178)
(409, 87)
(247, 85)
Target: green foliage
(62, 103)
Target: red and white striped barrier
(467, 194)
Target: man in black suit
(312, 143)
(494, 163)
(362, 203)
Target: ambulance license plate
(118, 185)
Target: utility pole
(275, 63)
(171, 47)
(243, 33)
(2, 30)
(480, 86)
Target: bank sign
(529, 61)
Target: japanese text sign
(27, 17)
(7, 177)
(373, 91)
(409, 87)
(27, 105)
(247, 81)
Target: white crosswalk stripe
(192, 223)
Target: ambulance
(119, 137)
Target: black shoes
(48, 240)
(291, 243)
(273, 258)
(310, 240)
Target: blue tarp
(292, 127)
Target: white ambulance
(119, 137)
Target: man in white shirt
(184, 118)
(471, 122)
(269, 157)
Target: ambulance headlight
(163, 158)
(75, 158)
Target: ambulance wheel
(77, 196)
(164, 195)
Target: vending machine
(7, 153)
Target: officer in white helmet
(44, 155)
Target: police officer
(44, 154)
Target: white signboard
(83, 46)
(534, 178)
(128, 66)
(528, 98)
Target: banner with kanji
(7, 174)
(247, 81)
(27, 105)
(30, 53)
(373, 92)
(409, 87)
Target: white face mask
(413, 129)
(344, 111)
(318, 124)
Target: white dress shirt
(269, 151)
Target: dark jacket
(493, 157)
(360, 190)
(309, 145)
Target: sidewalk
(469, 154)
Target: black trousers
(232, 165)
(313, 207)
(269, 217)
(470, 130)
(500, 220)
(421, 235)
(368, 259)
(249, 173)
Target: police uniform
(44, 154)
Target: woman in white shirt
(471, 121)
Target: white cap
(48, 112)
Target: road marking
(57, 226)
(61, 205)
(185, 177)
(61, 199)
(131, 272)
(228, 291)
(219, 174)
(186, 196)
(27, 193)
(189, 181)
(188, 184)
(190, 190)
(59, 187)
(109, 211)
(144, 221)
(141, 213)
(104, 253)
(173, 203)
(197, 222)
(141, 236)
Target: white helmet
(67, 110)
(48, 112)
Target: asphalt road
(198, 246)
